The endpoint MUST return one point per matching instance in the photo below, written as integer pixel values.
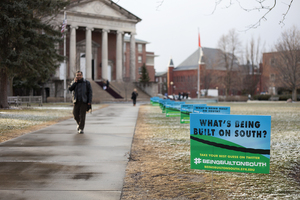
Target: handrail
(114, 88)
(18, 100)
(111, 86)
(110, 90)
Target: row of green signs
(220, 141)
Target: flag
(63, 27)
(200, 49)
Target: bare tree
(253, 58)
(258, 5)
(287, 60)
(229, 45)
(209, 74)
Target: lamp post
(65, 62)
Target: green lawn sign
(173, 108)
(211, 109)
(154, 101)
(162, 104)
(185, 111)
(232, 143)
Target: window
(272, 77)
(140, 70)
(140, 48)
(124, 46)
(139, 59)
(272, 61)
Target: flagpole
(65, 62)
(198, 79)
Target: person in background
(179, 96)
(82, 98)
(134, 95)
(107, 84)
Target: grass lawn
(17, 121)
(160, 159)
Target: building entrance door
(82, 64)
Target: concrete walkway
(58, 163)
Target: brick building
(142, 57)
(184, 77)
(100, 41)
(278, 74)
(269, 84)
(161, 80)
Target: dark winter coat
(81, 91)
(134, 95)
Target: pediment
(83, 42)
(101, 8)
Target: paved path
(58, 163)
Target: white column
(119, 56)
(72, 56)
(132, 57)
(88, 53)
(104, 53)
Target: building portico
(100, 25)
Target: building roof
(108, 3)
(127, 39)
(211, 58)
(160, 73)
(171, 63)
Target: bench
(19, 100)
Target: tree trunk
(294, 94)
(10, 91)
(3, 88)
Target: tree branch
(159, 4)
(284, 15)
(258, 8)
(257, 24)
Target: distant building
(100, 41)
(161, 80)
(272, 80)
(184, 77)
(268, 78)
(142, 57)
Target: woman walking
(134, 94)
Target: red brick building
(184, 77)
(142, 57)
(100, 42)
(162, 83)
(276, 80)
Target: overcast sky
(171, 26)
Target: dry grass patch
(18, 121)
(159, 165)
